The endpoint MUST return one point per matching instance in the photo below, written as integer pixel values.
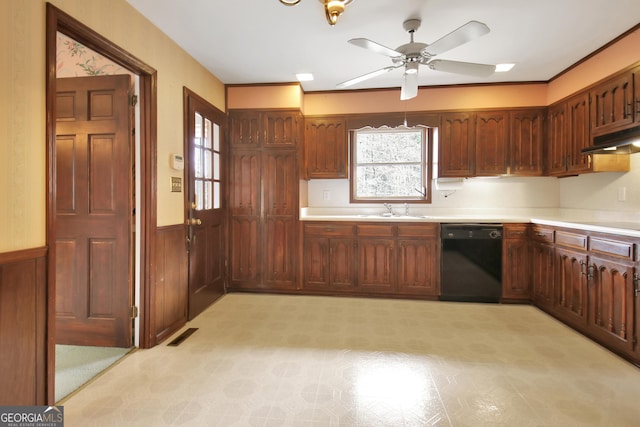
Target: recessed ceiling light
(501, 68)
(304, 77)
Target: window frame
(427, 165)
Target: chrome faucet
(406, 209)
(389, 208)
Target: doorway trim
(59, 21)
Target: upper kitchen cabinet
(326, 147)
(491, 148)
(456, 149)
(615, 103)
(569, 134)
(525, 142)
(268, 128)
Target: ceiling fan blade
(375, 47)
(469, 31)
(467, 68)
(409, 86)
(367, 76)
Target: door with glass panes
(206, 227)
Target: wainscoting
(23, 322)
(169, 294)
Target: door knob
(194, 221)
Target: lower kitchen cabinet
(571, 286)
(328, 257)
(611, 293)
(418, 260)
(516, 282)
(542, 273)
(371, 259)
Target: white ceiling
(263, 41)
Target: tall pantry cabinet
(263, 198)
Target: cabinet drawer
(328, 229)
(515, 231)
(375, 230)
(571, 240)
(611, 247)
(418, 230)
(542, 234)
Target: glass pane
(216, 137)
(198, 130)
(207, 133)
(199, 194)
(216, 166)
(197, 160)
(389, 181)
(208, 199)
(389, 147)
(207, 163)
(216, 195)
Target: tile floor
(266, 360)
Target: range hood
(625, 141)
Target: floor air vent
(183, 336)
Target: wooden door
(491, 143)
(557, 141)
(315, 255)
(341, 263)
(571, 286)
(205, 203)
(579, 136)
(611, 104)
(326, 148)
(456, 147)
(280, 198)
(418, 266)
(525, 142)
(542, 277)
(281, 128)
(516, 262)
(376, 261)
(92, 177)
(611, 294)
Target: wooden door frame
(59, 21)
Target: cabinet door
(280, 178)
(326, 147)
(245, 128)
(542, 277)
(491, 143)
(282, 128)
(456, 147)
(579, 136)
(341, 263)
(611, 298)
(515, 272)
(315, 263)
(244, 183)
(612, 104)
(418, 267)
(571, 287)
(557, 140)
(280, 249)
(525, 142)
(245, 257)
(376, 265)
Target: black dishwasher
(471, 262)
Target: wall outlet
(326, 195)
(622, 194)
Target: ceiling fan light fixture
(411, 68)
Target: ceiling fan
(412, 54)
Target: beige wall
(22, 110)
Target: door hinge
(134, 311)
(134, 100)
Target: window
(391, 164)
